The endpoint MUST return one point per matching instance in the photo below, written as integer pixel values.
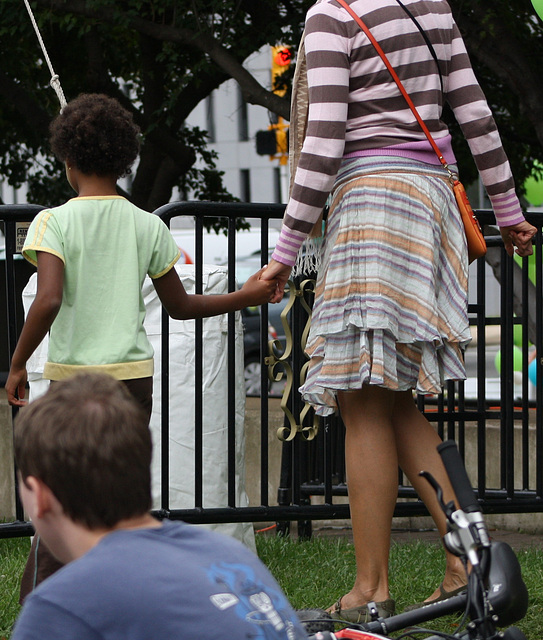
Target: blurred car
(252, 358)
(245, 267)
(251, 341)
(215, 245)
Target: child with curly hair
(93, 254)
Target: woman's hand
(279, 273)
(518, 236)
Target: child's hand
(258, 291)
(16, 387)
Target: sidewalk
(516, 540)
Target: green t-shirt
(107, 246)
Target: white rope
(55, 80)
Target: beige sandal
(385, 609)
(443, 595)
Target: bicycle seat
(507, 592)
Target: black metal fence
(502, 424)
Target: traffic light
(274, 142)
(266, 143)
(281, 58)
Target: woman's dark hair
(97, 135)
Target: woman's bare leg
(372, 479)
(384, 430)
(416, 444)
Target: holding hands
(258, 290)
(277, 273)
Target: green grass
(315, 573)
(13, 554)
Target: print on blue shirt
(261, 605)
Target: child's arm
(40, 317)
(181, 305)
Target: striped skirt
(391, 294)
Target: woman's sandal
(385, 609)
(443, 595)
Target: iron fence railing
(502, 422)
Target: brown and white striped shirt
(356, 108)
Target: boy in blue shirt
(83, 452)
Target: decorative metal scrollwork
(279, 362)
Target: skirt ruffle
(391, 295)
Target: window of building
(277, 195)
(243, 118)
(245, 185)
(210, 117)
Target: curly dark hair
(97, 135)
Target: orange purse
(474, 233)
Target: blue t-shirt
(173, 582)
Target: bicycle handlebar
(457, 474)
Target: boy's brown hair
(88, 440)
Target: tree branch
(253, 92)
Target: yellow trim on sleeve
(164, 271)
(41, 227)
(37, 248)
(31, 260)
(118, 370)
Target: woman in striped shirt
(390, 312)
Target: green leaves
(162, 57)
(152, 55)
